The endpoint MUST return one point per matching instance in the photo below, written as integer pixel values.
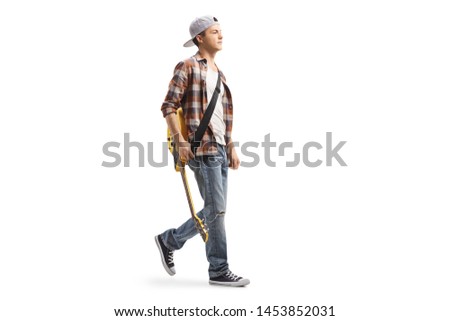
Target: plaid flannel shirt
(187, 89)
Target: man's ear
(199, 37)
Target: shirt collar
(198, 57)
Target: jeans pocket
(213, 161)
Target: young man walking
(192, 87)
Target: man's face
(212, 40)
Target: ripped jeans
(211, 173)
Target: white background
(370, 239)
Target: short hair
(195, 41)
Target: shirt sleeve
(177, 87)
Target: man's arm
(184, 148)
(169, 108)
(233, 158)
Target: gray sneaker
(166, 256)
(229, 279)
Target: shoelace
(170, 257)
(232, 276)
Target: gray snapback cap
(199, 25)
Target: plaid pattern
(187, 89)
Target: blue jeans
(211, 173)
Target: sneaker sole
(166, 267)
(239, 283)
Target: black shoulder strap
(206, 117)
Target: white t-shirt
(217, 123)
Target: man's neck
(209, 56)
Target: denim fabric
(211, 173)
